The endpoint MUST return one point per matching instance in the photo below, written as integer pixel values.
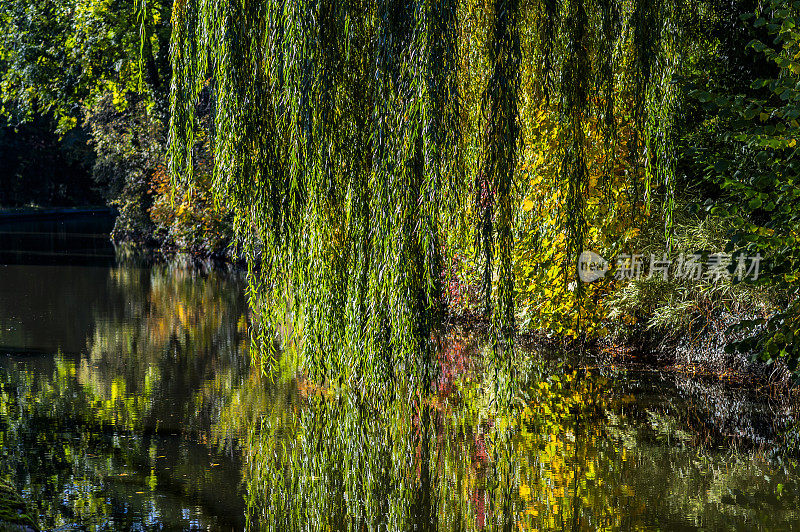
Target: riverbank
(14, 214)
(705, 361)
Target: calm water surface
(128, 402)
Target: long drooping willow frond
(496, 176)
(574, 108)
(338, 141)
(335, 125)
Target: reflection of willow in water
(452, 459)
(567, 452)
(114, 438)
(155, 421)
(179, 328)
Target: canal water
(129, 401)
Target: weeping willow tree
(339, 136)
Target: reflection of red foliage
(479, 499)
(454, 362)
(480, 455)
(480, 459)
(455, 358)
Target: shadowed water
(128, 401)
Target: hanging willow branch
(662, 107)
(495, 180)
(575, 83)
(335, 127)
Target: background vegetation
(85, 88)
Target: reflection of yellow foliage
(198, 317)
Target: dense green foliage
(382, 165)
(752, 160)
(88, 82)
(736, 192)
(61, 56)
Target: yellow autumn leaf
(631, 233)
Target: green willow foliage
(338, 128)
(497, 176)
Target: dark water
(111, 377)
(128, 401)
(75, 239)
